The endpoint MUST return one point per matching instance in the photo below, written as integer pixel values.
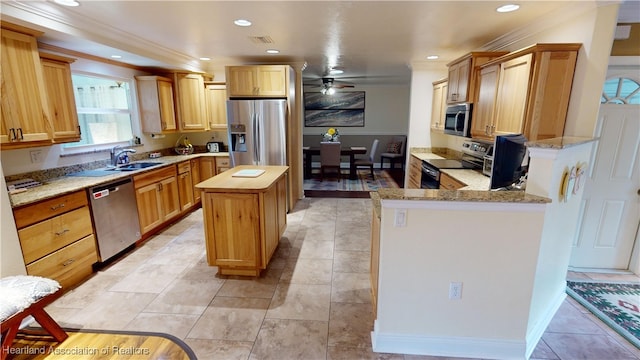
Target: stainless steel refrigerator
(257, 132)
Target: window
(103, 106)
(620, 91)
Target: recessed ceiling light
(242, 22)
(116, 56)
(432, 57)
(67, 2)
(273, 51)
(204, 58)
(508, 8)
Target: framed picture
(342, 109)
(331, 118)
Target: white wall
(386, 111)
(11, 262)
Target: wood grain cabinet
(526, 91)
(57, 239)
(157, 197)
(24, 116)
(213, 165)
(195, 178)
(185, 186)
(257, 81)
(62, 103)
(449, 183)
(191, 112)
(222, 164)
(156, 103)
(415, 173)
(462, 75)
(216, 100)
(439, 104)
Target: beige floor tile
(586, 346)
(229, 318)
(149, 278)
(220, 349)
(177, 324)
(569, 319)
(248, 288)
(185, 296)
(200, 270)
(352, 236)
(309, 249)
(351, 261)
(308, 271)
(300, 302)
(89, 291)
(350, 325)
(351, 353)
(351, 288)
(112, 311)
(291, 339)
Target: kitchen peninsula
(245, 214)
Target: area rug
(364, 182)
(616, 304)
(31, 343)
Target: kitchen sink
(133, 166)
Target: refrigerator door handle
(256, 138)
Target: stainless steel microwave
(457, 120)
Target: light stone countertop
(425, 156)
(560, 142)
(474, 179)
(461, 196)
(68, 184)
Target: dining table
(310, 151)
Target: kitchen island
(245, 214)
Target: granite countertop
(67, 184)
(461, 195)
(474, 179)
(425, 156)
(560, 142)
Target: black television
(510, 160)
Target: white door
(611, 202)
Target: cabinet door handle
(13, 134)
(68, 262)
(56, 207)
(58, 233)
(20, 133)
(79, 130)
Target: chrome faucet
(115, 154)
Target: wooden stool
(11, 324)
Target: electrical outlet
(455, 291)
(400, 218)
(36, 156)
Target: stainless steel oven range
(473, 153)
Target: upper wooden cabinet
(439, 104)
(24, 119)
(62, 104)
(257, 81)
(216, 99)
(191, 112)
(155, 100)
(526, 91)
(462, 75)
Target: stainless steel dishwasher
(115, 216)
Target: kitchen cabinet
(257, 81)
(213, 165)
(24, 119)
(155, 100)
(216, 99)
(462, 75)
(527, 92)
(244, 219)
(449, 183)
(439, 104)
(374, 266)
(415, 173)
(62, 104)
(222, 164)
(195, 178)
(157, 197)
(191, 112)
(57, 239)
(185, 185)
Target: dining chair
(395, 151)
(329, 157)
(368, 161)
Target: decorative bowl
(183, 150)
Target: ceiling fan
(329, 85)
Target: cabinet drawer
(153, 176)
(222, 161)
(449, 183)
(50, 235)
(69, 265)
(184, 167)
(32, 214)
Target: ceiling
(373, 41)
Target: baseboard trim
(447, 346)
(535, 334)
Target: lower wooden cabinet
(57, 239)
(449, 183)
(213, 165)
(157, 197)
(415, 173)
(185, 186)
(222, 164)
(195, 178)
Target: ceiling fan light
(242, 22)
(336, 71)
(273, 51)
(508, 8)
(67, 2)
(331, 91)
(432, 57)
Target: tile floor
(311, 303)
